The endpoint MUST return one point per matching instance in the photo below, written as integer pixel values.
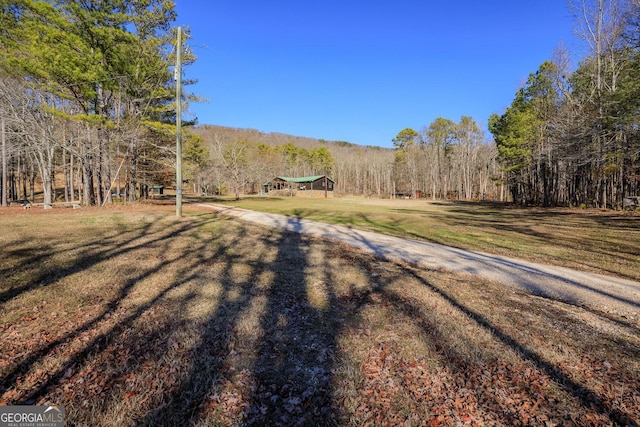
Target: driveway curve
(603, 293)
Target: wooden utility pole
(178, 77)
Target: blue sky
(361, 71)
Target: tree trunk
(71, 172)
(88, 196)
(32, 182)
(133, 169)
(65, 175)
(4, 161)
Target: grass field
(135, 317)
(592, 240)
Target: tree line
(572, 137)
(242, 160)
(87, 98)
(446, 160)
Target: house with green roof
(306, 186)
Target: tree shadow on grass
(38, 257)
(287, 376)
(285, 363)
(466, 373)
(284, 367)
(293, 368)
(138, 352)
(207, 368)
(588, 398)
(98, 253)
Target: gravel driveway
(609, 294)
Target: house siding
(312, 186)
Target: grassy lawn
(590, 240)
(134, 317)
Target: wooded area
(87, 108)
(573, 138)
(466, 166)
(87, 95)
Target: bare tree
(600, 24)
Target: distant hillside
(356, 169)
(275, 138)
(467, 169)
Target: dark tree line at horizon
(572, 138)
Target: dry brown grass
(135, 317)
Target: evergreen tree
(102, 70)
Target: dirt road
(608, 294)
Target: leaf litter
(391, 345)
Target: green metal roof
(303, 179)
